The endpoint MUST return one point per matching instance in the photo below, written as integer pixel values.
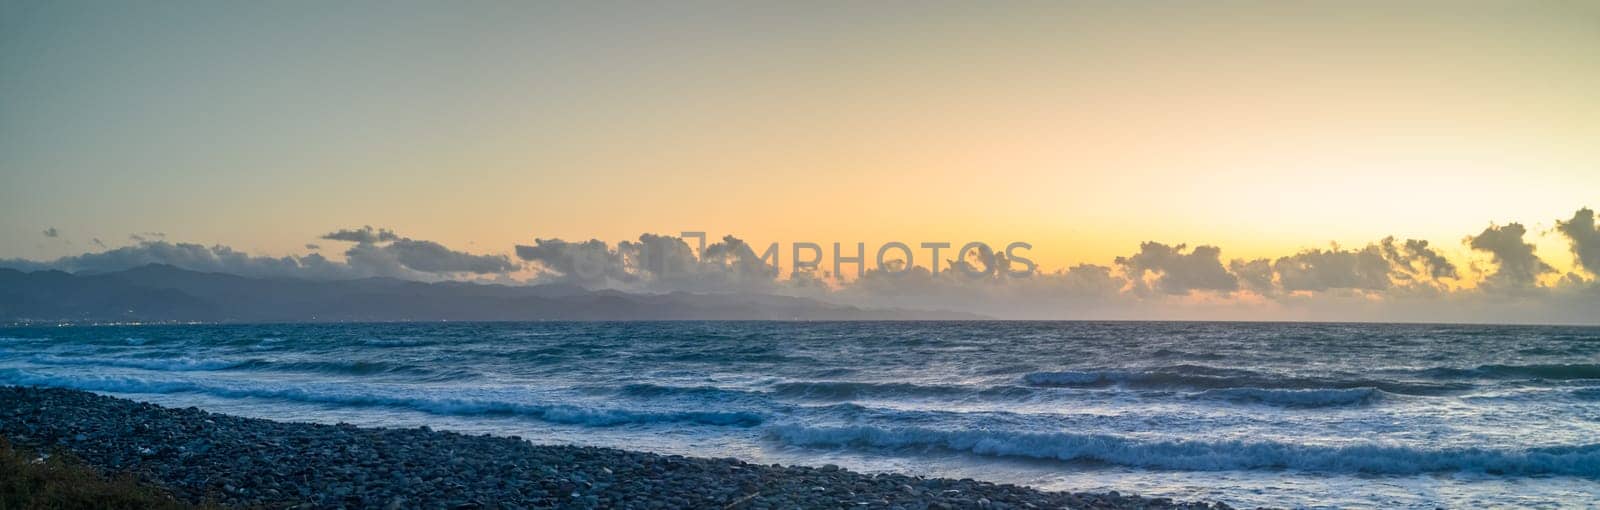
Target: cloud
(659, 256)
(652, 263)
(1384, 266)
(1176, 272)
(1389, 279)
(1517, 266)
(97, 242)
(1415, 260)
(591, 263)
(365, 234)
(51, 232)
(432, 257)
(726, 265)
(1159, 281)
(1254, 275)
(1585, 239)
(313, 246)
(1320, 270)
(196, 257)
(738, 259)
(401, 258)
(381, 252)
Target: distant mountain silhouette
(163, 293)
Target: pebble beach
(245, 462)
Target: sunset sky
(1083, 128)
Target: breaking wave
(1198, 455)
(1297, 398)
(851, 390)
(166, 365)
(184, 364)
(553, 413)
(1552, 371)
(1202, 378)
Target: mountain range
(164, 293)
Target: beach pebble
(201, 456)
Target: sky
(1082, 128)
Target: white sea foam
(1583, 461)
(1155, 403)
(166, 364)
(1198, 377)
(1074, 378)
(554, 413)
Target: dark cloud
(432, 257)
(1585, 239)
(196, 257)
(51, 232)
(591, 263)
(1383, 266)
(738, 258)
(1415, 260)
(1517, 267)
(1177, 272)
(398, 258)
(1390, 279)
(659, 256)
(97, 242)
(369, 260)
(1255, 275)
(728, 264)
(313, 246)
(1334, 268)
(382, 252)
(365, 234)
(653, 262)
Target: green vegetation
(59, 481)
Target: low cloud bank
(1387, 280)
(376, 253)
(653, 263)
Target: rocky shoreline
(235, 461)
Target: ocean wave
(1153, 375)
(832, 372)
(184, 364)
(851, 390)
(1075, 378)
(728, 356)
(1551, 371)
(647, 390)
(1586, 393)
(165, 365)
(397, 342)
(1297, 397)
(1174, 353)
(1190, 377)
(823, 391)
(1197, 455)
(360, 368)
(553, 413)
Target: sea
(1298, 415)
